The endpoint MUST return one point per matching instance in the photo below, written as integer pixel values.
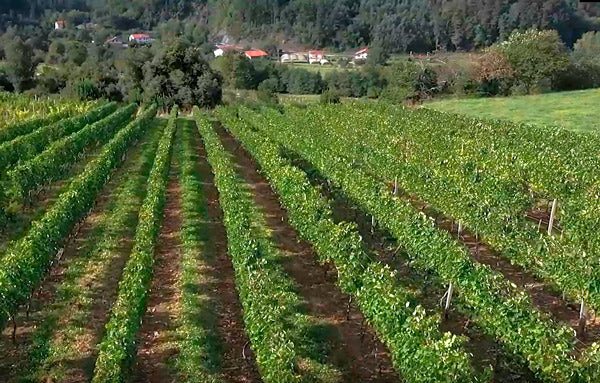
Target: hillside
(399, 26)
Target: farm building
(140, 38)
(223, 49)
(255, 54)
(361, 55)
(294, 58)
(317, 57)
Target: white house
(293, 58)
(361, 55)
(60, 25)
(223, 49)
(317, 57)
(140, 38)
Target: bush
(578, 75)
(301, 81)
(87, 90)
(587, 49)
(536, 56)
(409, 80)
(368, 82)
(267, 92)
(494, 74)
(330, 97)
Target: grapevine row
(553, 163)
(27, 260)
(484, 204)
(419, 351)
(54, 162)
(277, 330)
(10, 132)
(497, 307)
(28, 146)
(117, 348)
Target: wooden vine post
(582, 319)
(372, 225)
(448, 300)
(552, 214)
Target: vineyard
(360, 242)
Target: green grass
(575, 111)
(200, 349)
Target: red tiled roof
(140, 36)
(366, 50)
(256, 53)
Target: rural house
(140, 38)
(224, 49)
(293, 58)
(256, 53)
(361, 55)
(60, 25)
(317, 57)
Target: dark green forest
(396, 25)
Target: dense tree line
(397, 25)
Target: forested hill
(397, 25)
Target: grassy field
(576, 110)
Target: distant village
(311, 56)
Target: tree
(587, 48)
(179, 75)
(536, 56)
(378, 54)
(408, 80)
(19, 64)
(76, 52)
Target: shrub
(409, 80)
(587, 49)
(536, 56)
(330, 97)
(87, 90)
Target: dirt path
(230, 324)
(361, 360)
(156, 343)
(35, 334)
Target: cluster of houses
(318, 57)
(310, 57)
(134, 39)
(222, 49)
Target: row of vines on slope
(489, 206)
(28, 146)
(419, 351)
(27, 259)
(497, 307)
(53, 163)
(118, 345)
(277, 329)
